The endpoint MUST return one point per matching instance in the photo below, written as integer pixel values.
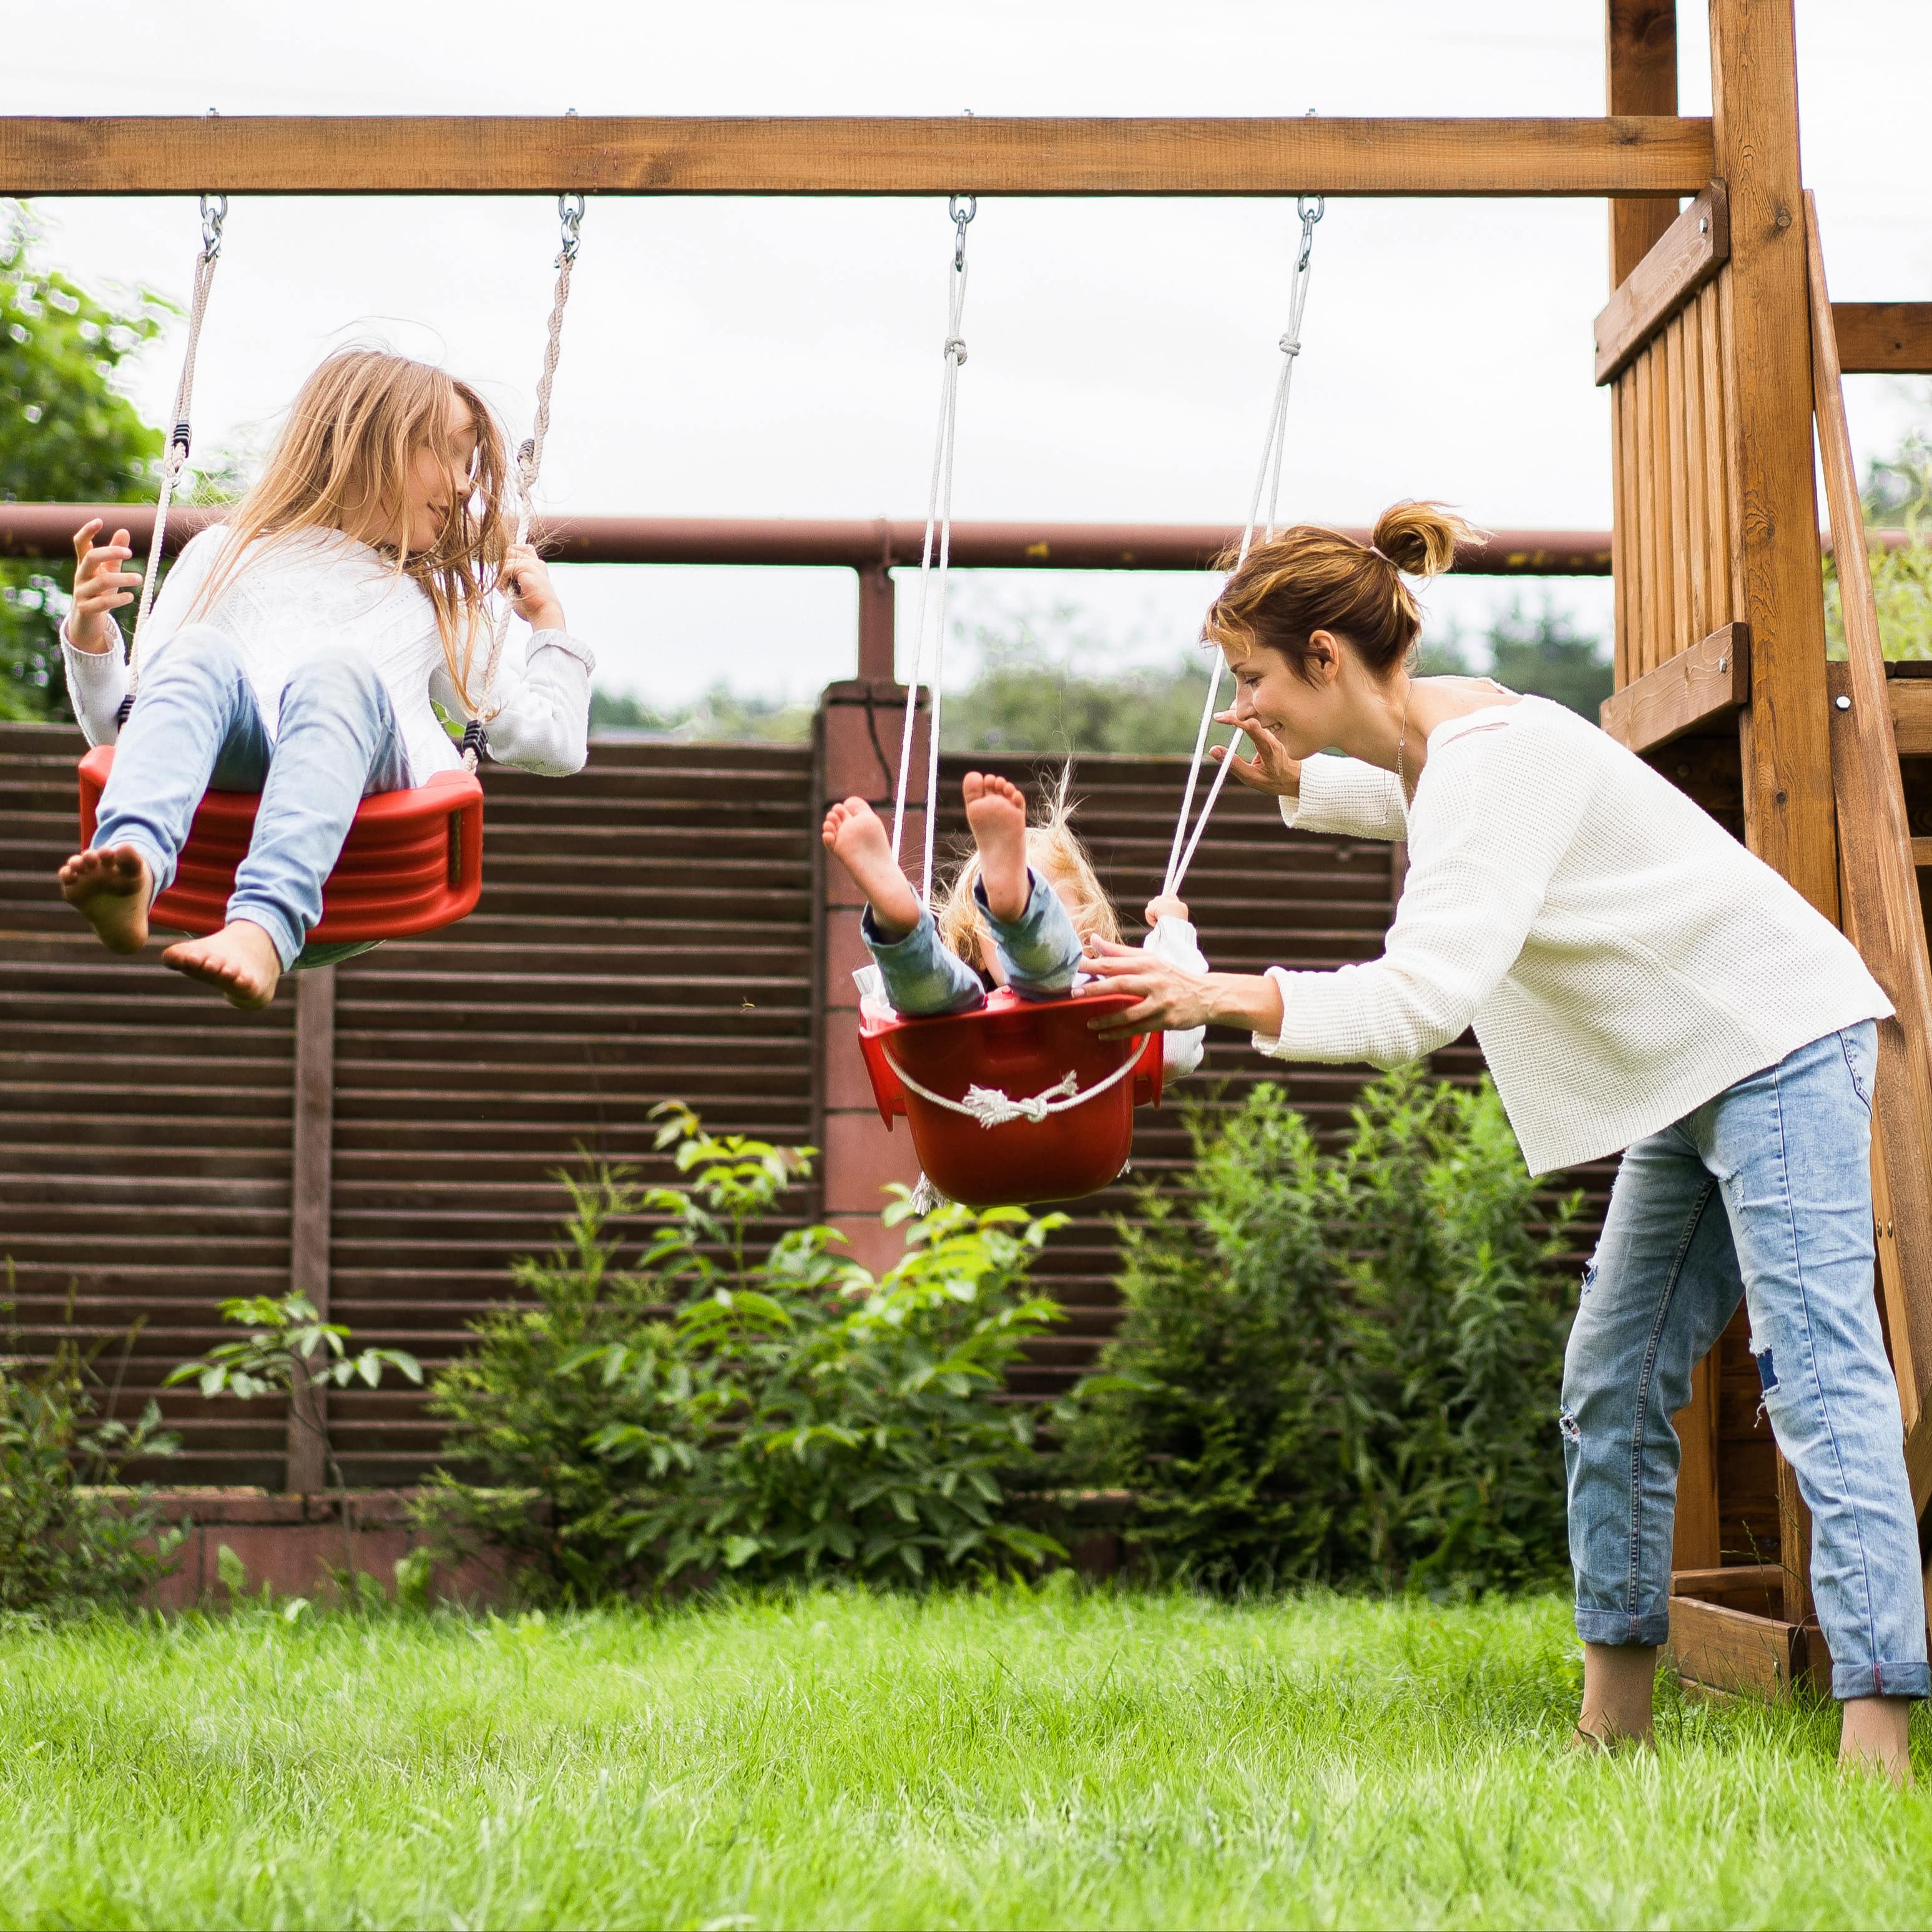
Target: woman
(1638, 981)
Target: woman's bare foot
(1874, 1739)
(110, 888)
(857, 840)
(996, 810)
(240, 962)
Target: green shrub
(1340, 1365)
(709, 1412)
(1898, 496)
(65, 1545)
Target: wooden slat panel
(1678, 374)
(1727, 1649)
(1623, 548)
(1644, 483)
(1626, 154)
(1691, 251)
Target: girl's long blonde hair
(343, 462)
(1054, 852)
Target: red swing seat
(413, 860)
(1020, 1047)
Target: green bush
(1898, 495)
(708, 1411)
(69, 1538)
(1341, 1366)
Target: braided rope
(991, 1108)
(530, 463)
(939, 537)
(181, 438)
(1267, 477)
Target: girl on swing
(1640, 984)
(300, 649)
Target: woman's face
(1301, 707)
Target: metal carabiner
(570, 214)
(212, 219)
(959, 218)
(1308, 218)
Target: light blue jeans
(1039, 953)
(195, 727)
(1763, 1193)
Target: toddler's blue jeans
(1764, 1193)
(195, 726)
(1039, 953)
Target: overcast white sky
(743, 358)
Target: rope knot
(955, 349)
(1290, 345)
(993, 1108)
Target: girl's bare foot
(110, 888)
(858, 841)
(996, 810)
(240, 962)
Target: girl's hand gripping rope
(526, 583)
(100, 587)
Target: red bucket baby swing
(413, 860)
(954, 1078)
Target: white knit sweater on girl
(1621, 958)
(289, 599)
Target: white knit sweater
(1621, 958)
(288, 599)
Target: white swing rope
(988, 1105)
(1268, 477)
(529, 461)
(939, 534)
(181, 436)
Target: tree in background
(67, 434)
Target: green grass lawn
(1062, 1758)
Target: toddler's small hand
(525, 581)
(1165, 905)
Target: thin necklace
(1401, 743)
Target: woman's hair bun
(1421, 538)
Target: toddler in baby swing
(1015, 914)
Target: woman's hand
(101, 588)
(1171, 999)
(526, 582)
(1270, 769)
(1165, 905)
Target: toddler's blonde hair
(1053, 850)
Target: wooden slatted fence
(645, 932)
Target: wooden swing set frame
(1721, 350)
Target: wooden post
(856, 746)
(1640, 47)
(1788, 809)
(1884, 914)
(309, 1199)
(877, 625)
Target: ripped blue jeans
(1765, 1193)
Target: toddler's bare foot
(996, 810)
(110, 888)
(240, 962)
(858, 842)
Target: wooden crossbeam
(1883, 338)
(1646, 155)
(1688, 254)
(1695, 688)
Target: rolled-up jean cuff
(287, 936)
(1881, 1680)
(1618, 1628)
